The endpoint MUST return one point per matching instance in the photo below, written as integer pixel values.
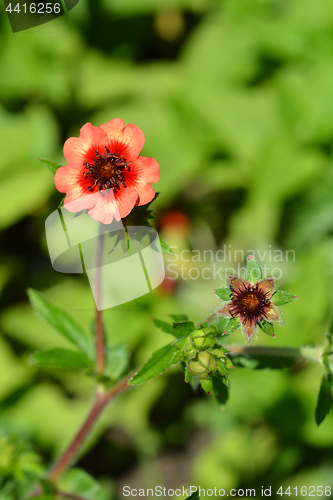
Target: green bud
(202, 338)
(189, 349)
(203, 364)
(219, 353)
(207, 385)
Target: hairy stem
(101, 400)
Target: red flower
(104, 163)
(250, 303)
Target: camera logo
(27, 14)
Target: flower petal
(235, 282)
(78, 150)
(248, 327)
(272, 313)
(69, 180)
(110, 206)
(225, 309)
(266, 285)
(143, 171)
(127, 141)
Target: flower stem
(69, 455)
(101, 400)
(100, 348)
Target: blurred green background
(235, 98)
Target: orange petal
(78, 150)
(143, 172)
(127, 141)
(109, 206)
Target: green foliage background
(235, 98)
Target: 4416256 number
(35, 8)
(306, 491)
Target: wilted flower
(251, 303)
(104, 163)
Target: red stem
(66, 459)
(101, 400)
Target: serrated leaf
(325, 399)
(178, 317)
(184, 328)
(159, 361)
(164, 326)
(62, 358)
(176, 357)
(117, 360)
(267, 328)
(281, 298)
(166, 249)
(253, 271)
(50, 165)
(223, 293)
(62, 322)
(221, 391)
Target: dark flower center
(250, 303)
(106, 171)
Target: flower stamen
(106, 171)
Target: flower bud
(204, 364)
(202, 339)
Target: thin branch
(102, 399)
(70, 454)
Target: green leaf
(62, 358)
(117, 360)
(325, 399)
(223, 293)
(166, 249)
(159, 361)
(178, 317)
(164, 326)
(221, 391)
(329, 335)
(194, 496)
(267, 327)
(281, 298)
(184, 328)
(232, 325)
(78, 482)
(50, 165)
(253, 272)
(257, 358)
(62, 322)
